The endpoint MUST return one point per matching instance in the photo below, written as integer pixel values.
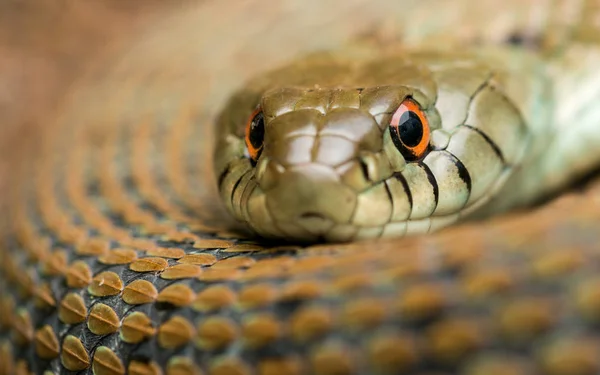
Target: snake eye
(409, 130)
(255, 134)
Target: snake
(323, 199)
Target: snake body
(117, 256)
(328, 167)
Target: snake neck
(558, 98)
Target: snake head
(341, 150)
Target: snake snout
(311, 196)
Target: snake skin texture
(329, 168)
(117, 257)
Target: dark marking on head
(495, 147)
(463, 173)
(432, 181)
(402, 180)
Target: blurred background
(45, 45)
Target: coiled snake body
(116, 259)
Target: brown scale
(231, 235)
(93, 247)
(261, 273)
(364, 313)
(256, 295)
(118, 256)
(488, 282)
(452, 340)
(572, 355)
(212, 243)
(182, 366)
(142, 368)
(213, 298)
(167, 252)
(8, 270)
(216, 333)
(499, 365)
(421, 302)
(300, 290)
(105, 284)
(558, 263)
(6, 359)
(198, 259)
(24, 281)
(22, 368)
(175, 332)
(46, 343)
(587, 298)
(523, 320)
(22, 328)
(78, 275)
(136, 327)
(333, 359)
(260, 330)
(281, 262)
(349, 284)
(139, 292)
(234, 262)
(43, 297)
(73, 354)
(211, 275)
(106, 362)
(7, 307)
(178, 295)
(181, 271)
(243, 248)
(229, 366)
(311, 264)
(275, 366)
(72, 309)
(310, 323)
(392, 353)
(103, 320)
(55, 264)
(149, 264)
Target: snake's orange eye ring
(255, 134)
(409, 130)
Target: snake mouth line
(250, 202)
(312, 215)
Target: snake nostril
(364, 167)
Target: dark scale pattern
(113, 263)
(145, 294)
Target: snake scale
(117, 255)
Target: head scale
(337, 149)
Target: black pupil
(410, 129)
(257, 131)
